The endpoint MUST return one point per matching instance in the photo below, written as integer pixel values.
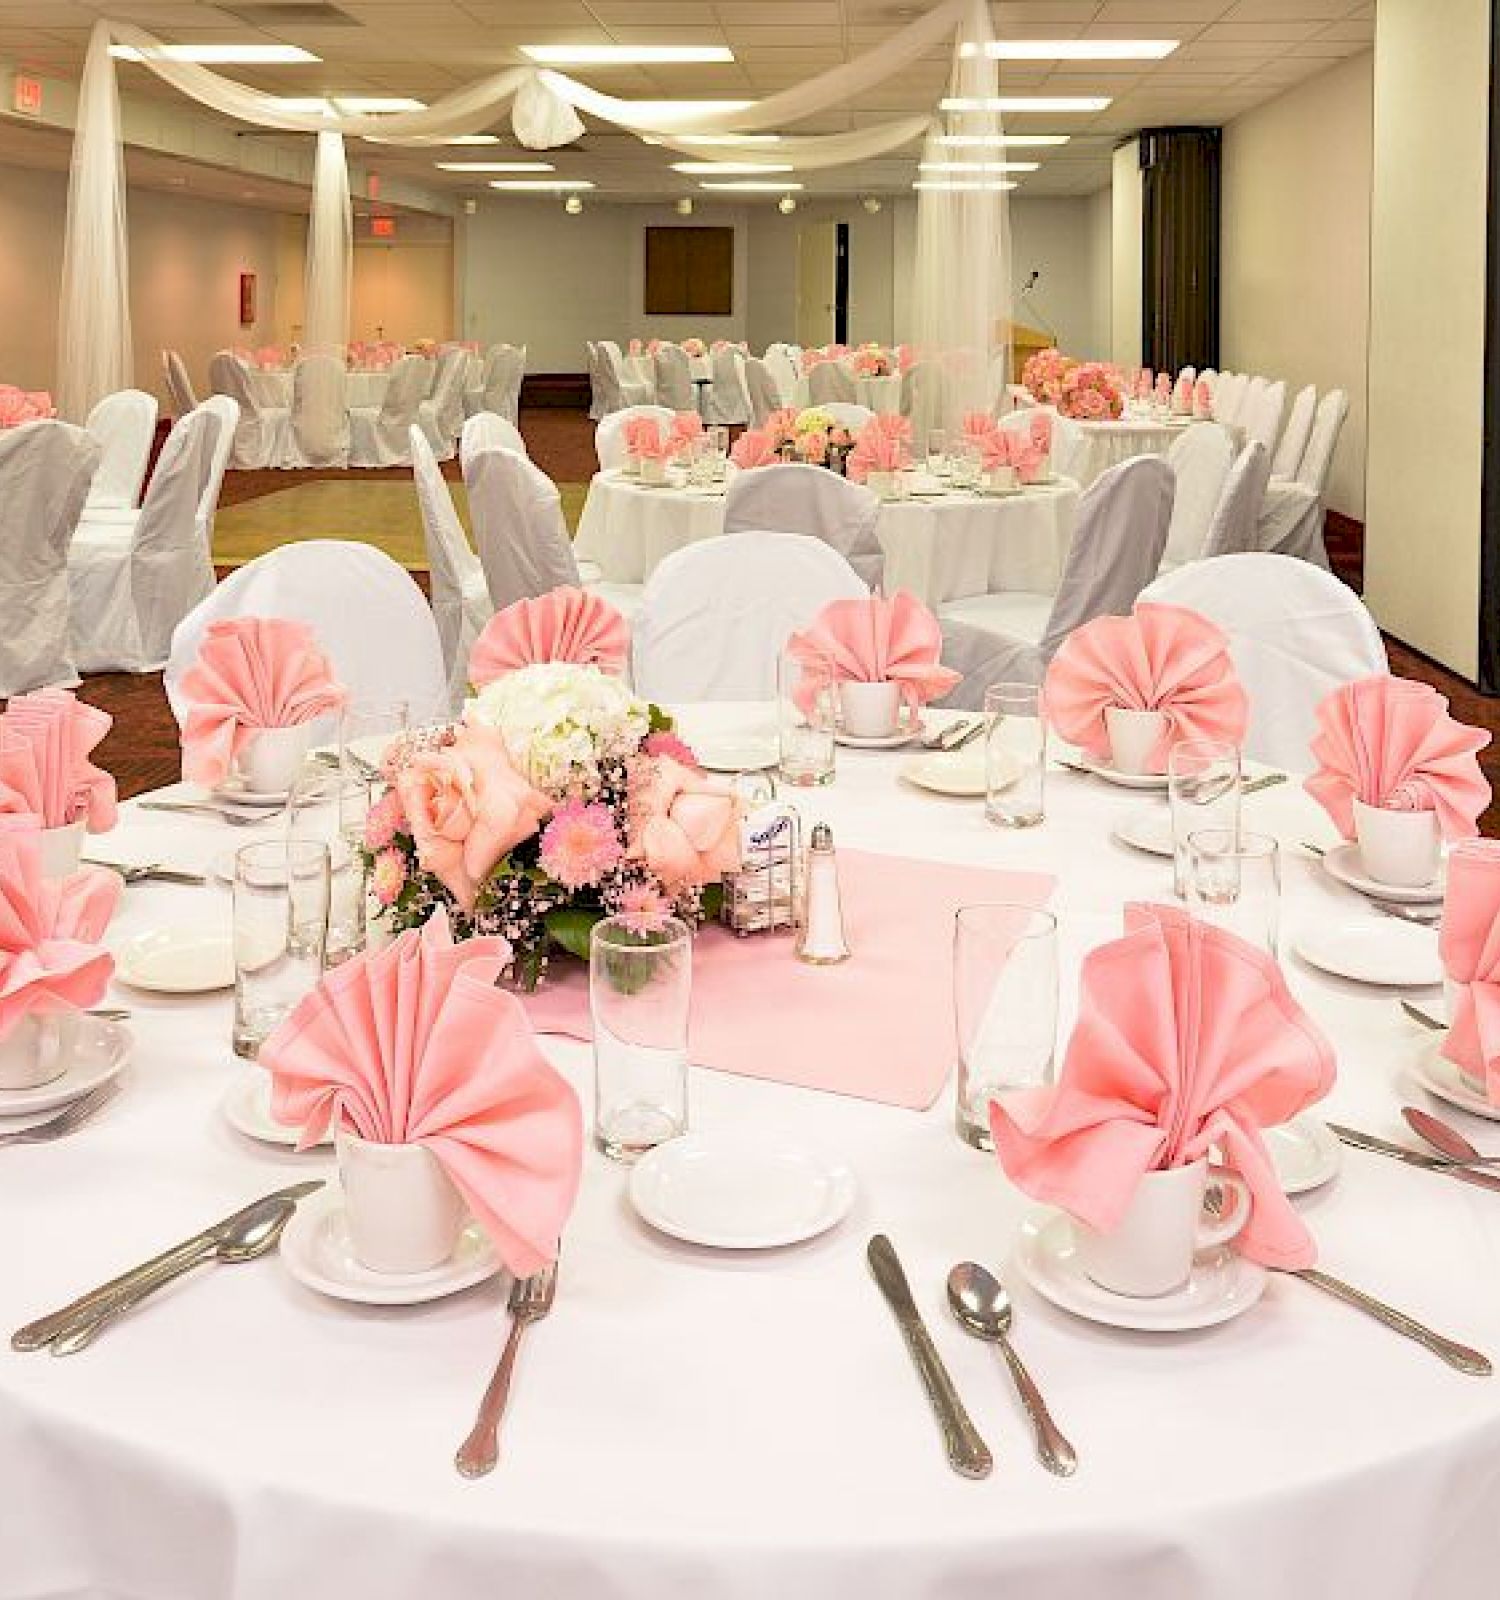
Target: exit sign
(26, 95)
(382, 227)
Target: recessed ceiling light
(463, 138)
(999, 141)
(1076, 49)
(1060, 104)
(550, 185)
(978, 166)
(752, 187)
(713, 169)
(623, 55)
(962, 188)
(494, 166)
(259, 55)
(353, 105)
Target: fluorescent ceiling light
(258, 55)
(753, 187)
(551, 185)
(963, 188)
(1076, 49)
(623, 55)
(494, 166)
(1057, 103)
(463, 138)
(1000, 141)
(978, 166)
(353, 105)
(716, 169)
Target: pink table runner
(879, 1026)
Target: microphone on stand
(1032, 279)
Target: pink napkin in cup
(686, 426)
(644, 440)
(893, 639)
(1187, 1038)
(753, 448)
(563, 625)
(1470, 947)
(415, 1044)
(1203, 400)
(1039, 424)
(46, 739)
(1160, 658)
(251, 673)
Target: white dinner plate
(1126, 780)
(736, 755)
(1223, 1283)
(1439, 1076)
(177, 960)
(1344, 863)
(959, 772)
(317, 1252)
(1380, 950)
(736, 1193)
(1305, 1153)
(100, 1051)
(247, 1109)
(1149, 829)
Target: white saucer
(1305, 1153)
(911, 728)
(99, 1054)
(247, 1109)
(736, 755)
(1126, 780)
(316, 1250)
(1381, 950)
(230, 794)
(1223, 1283)
(177, 960)
(1343, 862)
(740, 1194)
(1439, 1076)
(960, 772)
(1148, 829)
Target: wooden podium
(1024, 343)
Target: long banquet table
(689, 1425)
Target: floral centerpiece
(694, 348)
(1091, 392)
(873, 361)
(24, 405)
(813, 436)
(1044, 372)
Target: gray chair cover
(674, 378)
(1234, 521)
(320, 413)
(795, 498)
(460, 596)
(179, 385)
(123, 425)
(1295, 434)
(260, 435)
(761, 387)
(519, 527)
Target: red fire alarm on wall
(382, 227)
(26, 95)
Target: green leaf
(661, 721)
(713, 902)
(569, 927)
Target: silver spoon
(1445, 1139)
(979, 1302)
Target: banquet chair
(1201, 456)
(379, 436)
(1293, 513)
(831, 381)
(1328, 422)
(460, 596)
(260, 434)
(1229, 396)
(123, 425)
(486, 430)
(674, 379)
(1261, 417)
(728, 401)
(1116, 548)
(1020, 397)
(1067, 436)
(1233, 528)
(132, 578)
(45, 468)
(366, 613)
(228, 414)
(441, 415)
(1188, 373)
(715, 616)
(596, 380)
(761, 389)
(792, 497)
(1295, 634)
(609, 436)
(502, 394)
(319, 431)
(179, 385)
(628, 389)
(782, 371)
(1295, 434)
(847, 414)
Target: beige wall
(1295, 249)
(1058, 237)
(1125, 257)
(1427, 303)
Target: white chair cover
(1291, 522)
(179, 385)
(460, 597)
(626, 389)
(1190, 373)
(368, 616)
(260, 437)
(502, 384)
(123, 425)
(1328, 421)
(715, 616)
(1262, 417)
(1067, 436)
(1295, 632)
(792, 497)
(728, 402)
(380, 436)
(1229, 396)
(674, 379)
(1021, 398)
(45, 469)
(519, 527)
(783, 373)
(598, 386)
(442, 416)
(609, 436)
(1294, 436)
(486, 430)
(319, 432)
(831, 381)
(846, 413)
(761, 388)
(1234, 520)
(228, 413)
(1201, 457)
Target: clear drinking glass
(937, 452)
(807, 712)
(366, 728)
(281, 894)
(1203, 790)
(718, 449)
(1235, 883)
(640, 990)
(1015, 755)
(966, 462)
(328, 808)
(1004, 1007)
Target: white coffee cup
(1003, 478)
(1151, 1251)
(272, 758)
(653, 469)
(870, 710)
(403, 1211)
(1401, 848)
(62, 849)
(37, 1049)
(1133, 738)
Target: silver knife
(967, 1452)
(35, 1335)
(1412, 1158)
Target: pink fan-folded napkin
(1040, 425)
(686, 426)
(564, 625)
(644, 440)
(880, 447)
(251, 673)
(1160, 658)
(753, 448)
(1390, 742)
(1187, 1038)
(1470, 948)
(46, 740)
(893, 639)
(415, 1044)
(1203, 400)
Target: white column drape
(330, 250)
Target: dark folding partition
(1179, 247)
(1489, 494)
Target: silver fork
(151, 872)
(236, 819)
(530, 1301)
(65, 1122)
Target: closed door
(817, 280)
(402, 292)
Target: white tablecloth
(361, 389)
(940, 549)
(881, 395)
(1106, 444)
(695, 1426)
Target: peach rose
(467, 806)
(687, 828)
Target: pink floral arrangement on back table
(1044, 372)
(694, 348)
(24, 405)
(1091, 392)
(873, 361)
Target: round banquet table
(881, 395)
(941, 546)
(691, 1425)
(361, 389)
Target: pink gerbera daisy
(580, 844)
(669, 745)
(642, 908)
(384, 820)
(388, 878)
